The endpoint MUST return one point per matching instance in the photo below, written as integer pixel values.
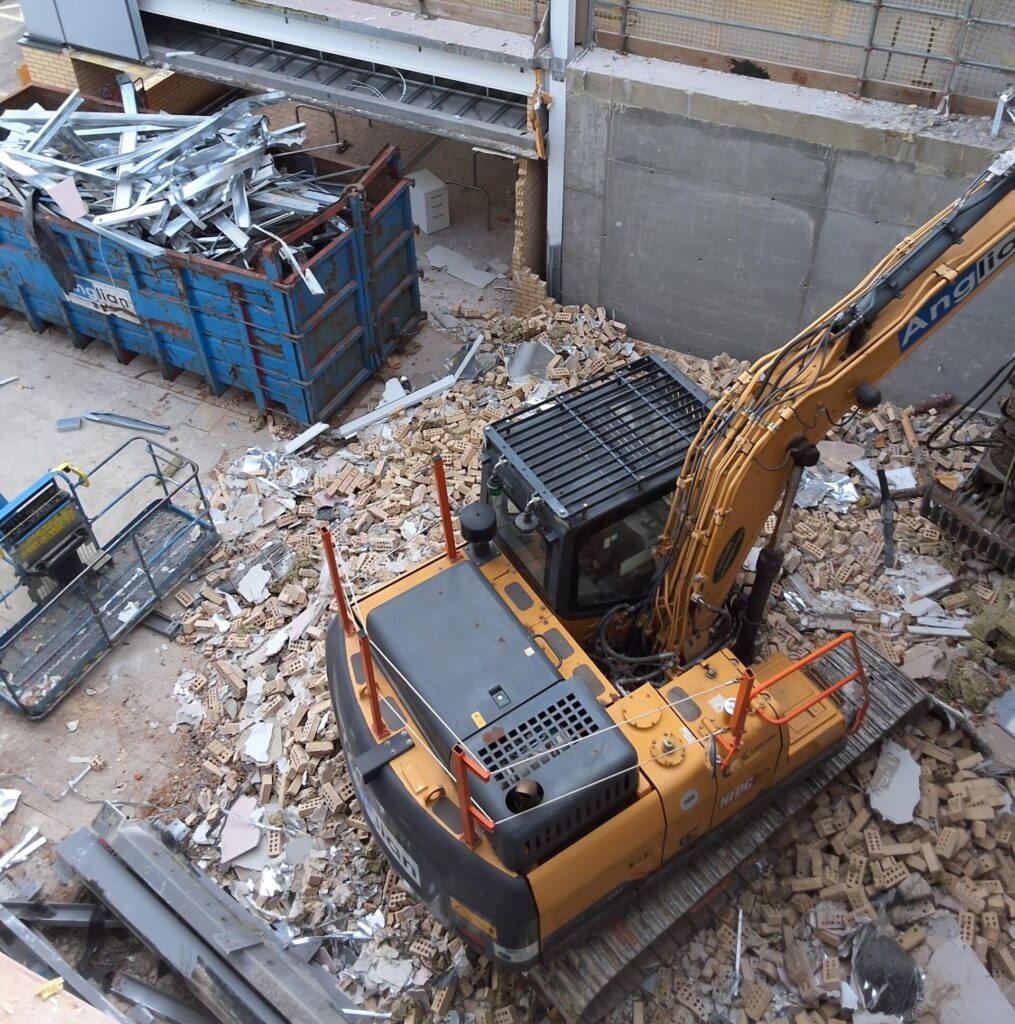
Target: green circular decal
(729, 553)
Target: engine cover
(473, 672)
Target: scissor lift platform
(48, 651)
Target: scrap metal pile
(150, 181)
(275, 816)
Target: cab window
(615, 561)
(528, 551)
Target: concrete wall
(713, 213)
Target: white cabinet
(429, 199)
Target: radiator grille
(547, 733)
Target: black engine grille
(585, 769)
(537, 740)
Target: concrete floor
(124, 706)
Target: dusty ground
(123, 708)
(11, 27)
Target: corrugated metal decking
(458, 110)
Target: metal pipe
(336, 581)
(482, 191)
(625, 8)
(380, 728)
(960, 42)
(445, 506)
(340, 145)
(868, 48)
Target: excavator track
(592, 977)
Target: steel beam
(62, 915)
(562, 48)
(495, 68)
(235, 964)
(361, 103)
(164, 1006)
(27, 946)
(214, 982)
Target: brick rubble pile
(275, 788)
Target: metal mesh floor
(46, 656)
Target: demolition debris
(276, 818)
(211, 186)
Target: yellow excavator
(560, 721)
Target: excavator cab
(581, 485)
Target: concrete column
(562, 46)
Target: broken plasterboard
(253, 586)
(895, 786)
(239, 834)
(440, 257)
(959, 988)
(902, 479)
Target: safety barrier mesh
(945, 46)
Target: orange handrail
(857, 674)
(748, 693)
(445, 507)
(738, 720)
(461, 765)
(370, 681)
(336, 581)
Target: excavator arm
(761, 434)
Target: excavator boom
(761, 432)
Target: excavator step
(591, 978)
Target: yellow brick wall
(48, 68)
(61, 71)
(528, 290)
(96, 80)
(184, 94)
(528, 256)
(175, 94)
